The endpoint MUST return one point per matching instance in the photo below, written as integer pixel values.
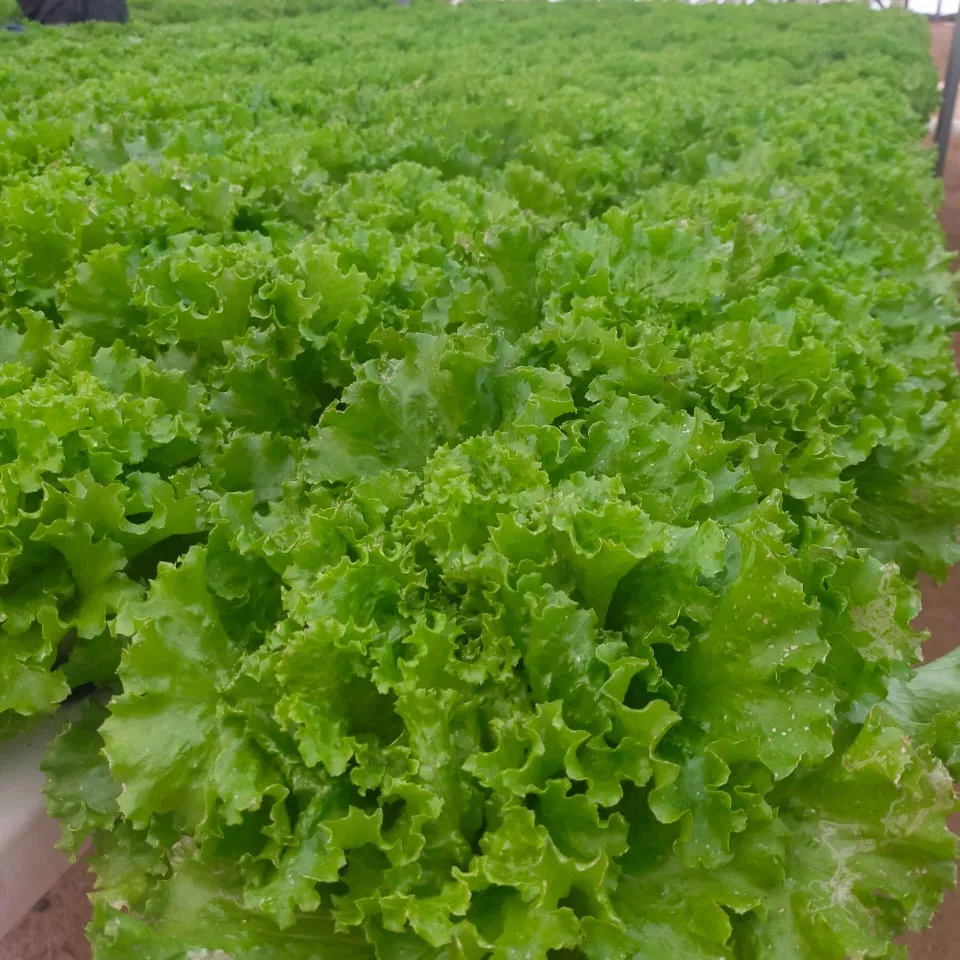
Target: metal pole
(945, 119)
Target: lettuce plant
(476, 465)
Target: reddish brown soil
(53, 930)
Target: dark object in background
(74, 11)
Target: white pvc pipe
(30, 864)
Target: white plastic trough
(30, 864)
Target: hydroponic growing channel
(474, 464)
